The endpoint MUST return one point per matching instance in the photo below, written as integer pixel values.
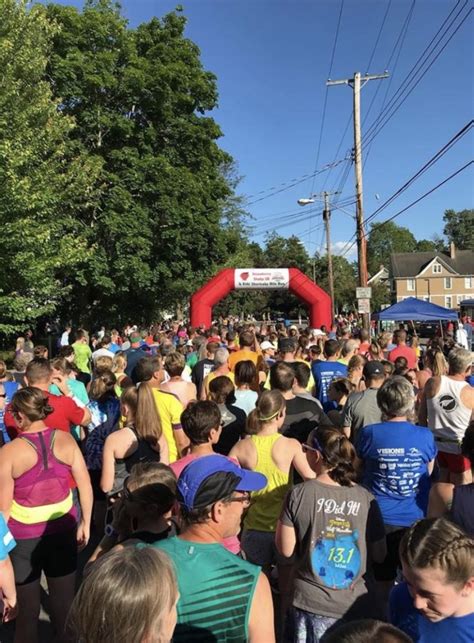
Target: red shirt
(364, 348)
(404, 351)
(66, 413)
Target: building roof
(410, 264)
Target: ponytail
(269, 407)
(102, 386)
(147, 419)
(338, 454)
(439, 365)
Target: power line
(378, 36)
(349, 120)
(392, 107)
(423, 196)
(326, 94)
(399, 40)
(434, 159)
(388, 118)
(287, 186)
(402, 84)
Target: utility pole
(357, 83)
(326, 219)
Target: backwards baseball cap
(212, 478)
(373, 368)
(266, 345)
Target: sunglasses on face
(244, 498)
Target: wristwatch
(110, 531)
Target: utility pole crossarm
(337, 82)
(363, 79)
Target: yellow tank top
(266, 504)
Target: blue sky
(271, 59)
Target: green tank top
(216, 589)
(266, 504)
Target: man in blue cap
(222, 596)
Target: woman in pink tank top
(36, 497)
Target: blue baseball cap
(212, 478)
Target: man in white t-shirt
(104, 350)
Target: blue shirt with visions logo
(396, 457)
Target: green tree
(385, 239)
(344, 277)
(139, 98)
(45, 187)
(459, 228)
(380, 296)
(426, 245)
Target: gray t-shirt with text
(333, 525)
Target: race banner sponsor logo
(257, 278)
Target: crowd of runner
(249, 482)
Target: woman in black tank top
(140, 440)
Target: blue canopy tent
(413, 309)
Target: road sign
(363, 305)
(363, 293)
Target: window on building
(467, 282)
(436, 268)
(447, 283)
(411, 284)
(448, 301)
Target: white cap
(266, 345)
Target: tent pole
(441, 328)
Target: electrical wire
(392, 107)
(378, 36)
(323, 118)
(287, 186)
(399, 41)
(434, 159)
(402, 84)
(423, 196)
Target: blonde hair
(269, 407)
(119, 363)
(356, 361)
(3, 368)
(437, 542)
(384, 339)
(103, 362)
(142, 412)
(174, 364)
(127, 596)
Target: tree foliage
(459, 228)
(139, 99)
(385, 239)
(45, 185)
(344, 277)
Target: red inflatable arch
(316, 299)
